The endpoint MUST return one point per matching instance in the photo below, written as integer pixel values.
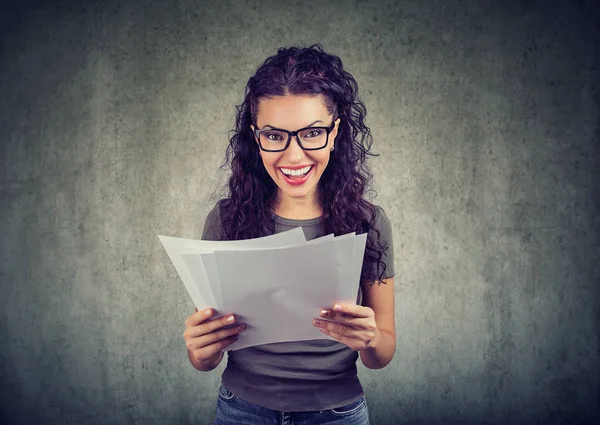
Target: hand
(206, 339)
(350, 324)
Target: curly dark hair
(248, 211)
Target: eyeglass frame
(294, 133)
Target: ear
(256, 140)
(253, 134)
(334, 132)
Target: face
(293, 112)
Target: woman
(298, 159)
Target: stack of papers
(275, 284)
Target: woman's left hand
(350, 324)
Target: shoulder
(381, 238)
(213, 225)
(380, 214)
(214, 215)
(382, 221)
(382, 229)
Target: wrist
(375, 341)
(380, 351)
(205, 365)
(214, 360)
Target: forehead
(292, 111)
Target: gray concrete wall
(114, 122)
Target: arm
(368, 329)
(380, 298)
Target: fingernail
(317, 322)
(324, 313)
(208, 313)
(230, 319)
(241, 327)
(337, 307)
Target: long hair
(247, 212)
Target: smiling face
(293, 112)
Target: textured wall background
(114, 122)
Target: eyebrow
(272, 126)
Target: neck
(298, 209)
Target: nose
(294, 152)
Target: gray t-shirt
(297, 376)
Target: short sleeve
(384, 225)
(213, 228)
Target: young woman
(297, 159)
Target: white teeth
(296, 172)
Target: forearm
(204, 367)
(381, 351)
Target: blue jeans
(234, 410)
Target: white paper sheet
(208, 263)
(199, 290)
(277, 292)
(276, 284)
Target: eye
(313, 132)
(274, 137)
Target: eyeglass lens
(310, 138)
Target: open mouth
(295, 177)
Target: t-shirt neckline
(297, 222)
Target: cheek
(269, 163)
(324, 162)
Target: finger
(214, 349)
(212, 325)
(199, 316)
(215, 337)
(341, 329)
(353, 309)
(209, 326)
(356, 344)
(350, 342)
(344, 318)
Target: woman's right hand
(206, 339)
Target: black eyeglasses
(278, 140)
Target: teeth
(296, 172)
